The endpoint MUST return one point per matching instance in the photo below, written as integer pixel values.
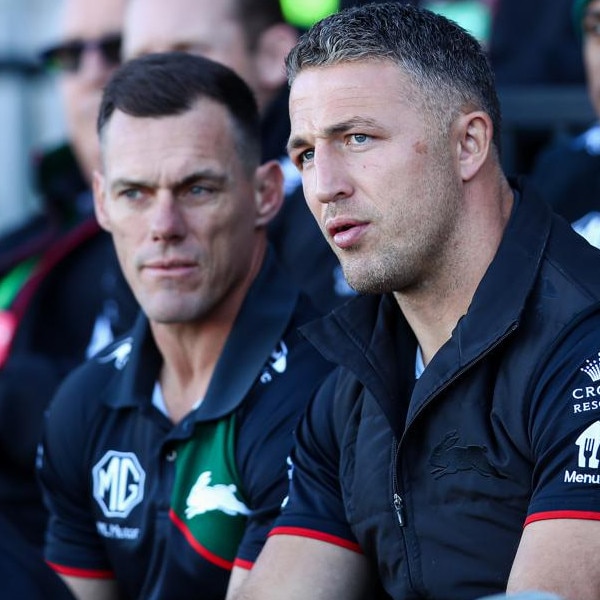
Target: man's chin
(366, 282)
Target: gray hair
(448, 66)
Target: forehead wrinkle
(346, 125)
(333, 130)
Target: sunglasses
(67, 56)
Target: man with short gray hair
(454, 452)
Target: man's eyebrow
(202, 175)
(295, 142)
(333, 130)
(125, 182)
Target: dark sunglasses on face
(67, 56)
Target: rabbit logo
(448, 458)
(204, 497)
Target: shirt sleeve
(315, 507)
(73, 546)
(564, 426)
(265, 440)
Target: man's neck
(434, 308)
(191, 350)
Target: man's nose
(167, 218)
(331, 178)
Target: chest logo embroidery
(448, 458)
(120, 355)
(204, 497)
(277, 363)
(118, 480)
(102, 334)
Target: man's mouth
(345, 232)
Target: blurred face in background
(209, 28)
(591, 51)
(203, 27)
(87, 55)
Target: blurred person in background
(23, 572)
(253, 38)
(62, 295)
(525, 45)
(534, 44)
(567, 173)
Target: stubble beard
(412, 249)
(389, 272)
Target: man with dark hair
(164, 458)
(252, 38)
(454, 451)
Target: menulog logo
(588, 457)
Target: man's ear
(273, 46)
(268, 192)
(98, 187)
(475, 133)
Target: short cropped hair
(448, 66)
(170, 83)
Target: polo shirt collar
(261, 323)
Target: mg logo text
(118, 483)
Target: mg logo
(118, 483)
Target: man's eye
(306, 156)
(200, 190)
(359, 138)
(131, 193)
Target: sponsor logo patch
(114, 531)
(586, 398)
(118, 480)
(588, 460)
(592, 369)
